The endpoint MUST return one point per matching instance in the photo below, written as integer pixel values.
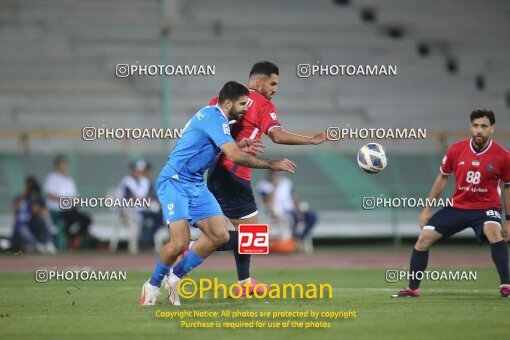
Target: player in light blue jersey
(184, 195)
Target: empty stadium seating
(58, 58)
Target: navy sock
(190, 261)
(242, 260)
(499, 252)
(232, 242)
(419, 261)
(243, 265)
(159, 273)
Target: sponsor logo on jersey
(444, 160)
(476, 163)
(461, 163)
(274, 116)
(170, 209)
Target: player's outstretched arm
(280, 136)
(506, 228)
(253, 146)
(238, 156)
(435, 192)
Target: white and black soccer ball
(372, 158)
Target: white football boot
(149, 294)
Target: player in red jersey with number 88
(481, 167)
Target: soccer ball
(372, 158)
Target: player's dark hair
(480, 113)
(60, 158)
(232, 90)
(265, 68)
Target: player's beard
(234, 115)
(480, 141)
(268, 96)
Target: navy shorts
(449, 221)
(233, 194)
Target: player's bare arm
(280, 136)
(238, 156)
(253, 146)
(506, 228)
(435, 192)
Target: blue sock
(159, 273)
(190, 261)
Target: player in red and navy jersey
(230, 182)
(481, 168)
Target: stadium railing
(26, 140)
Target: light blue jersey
(199, 145)
(180, 186)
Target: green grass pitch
(84, 310)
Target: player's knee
(181, 248)
(180, 245)
(492, 232)
(423, 243)
(221, 238)
(224, 237)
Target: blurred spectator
(141, 222)
(279, 198)
(153, 217)
(32, 221)
(59, 184)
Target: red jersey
(478, 175)
(260, 118)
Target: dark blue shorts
(233, 194)
(449, 221)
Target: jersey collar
(481, 151)
(219, 108)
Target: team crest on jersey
(490, 167)
(274, 116)
(226, 129)
(476, 163)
